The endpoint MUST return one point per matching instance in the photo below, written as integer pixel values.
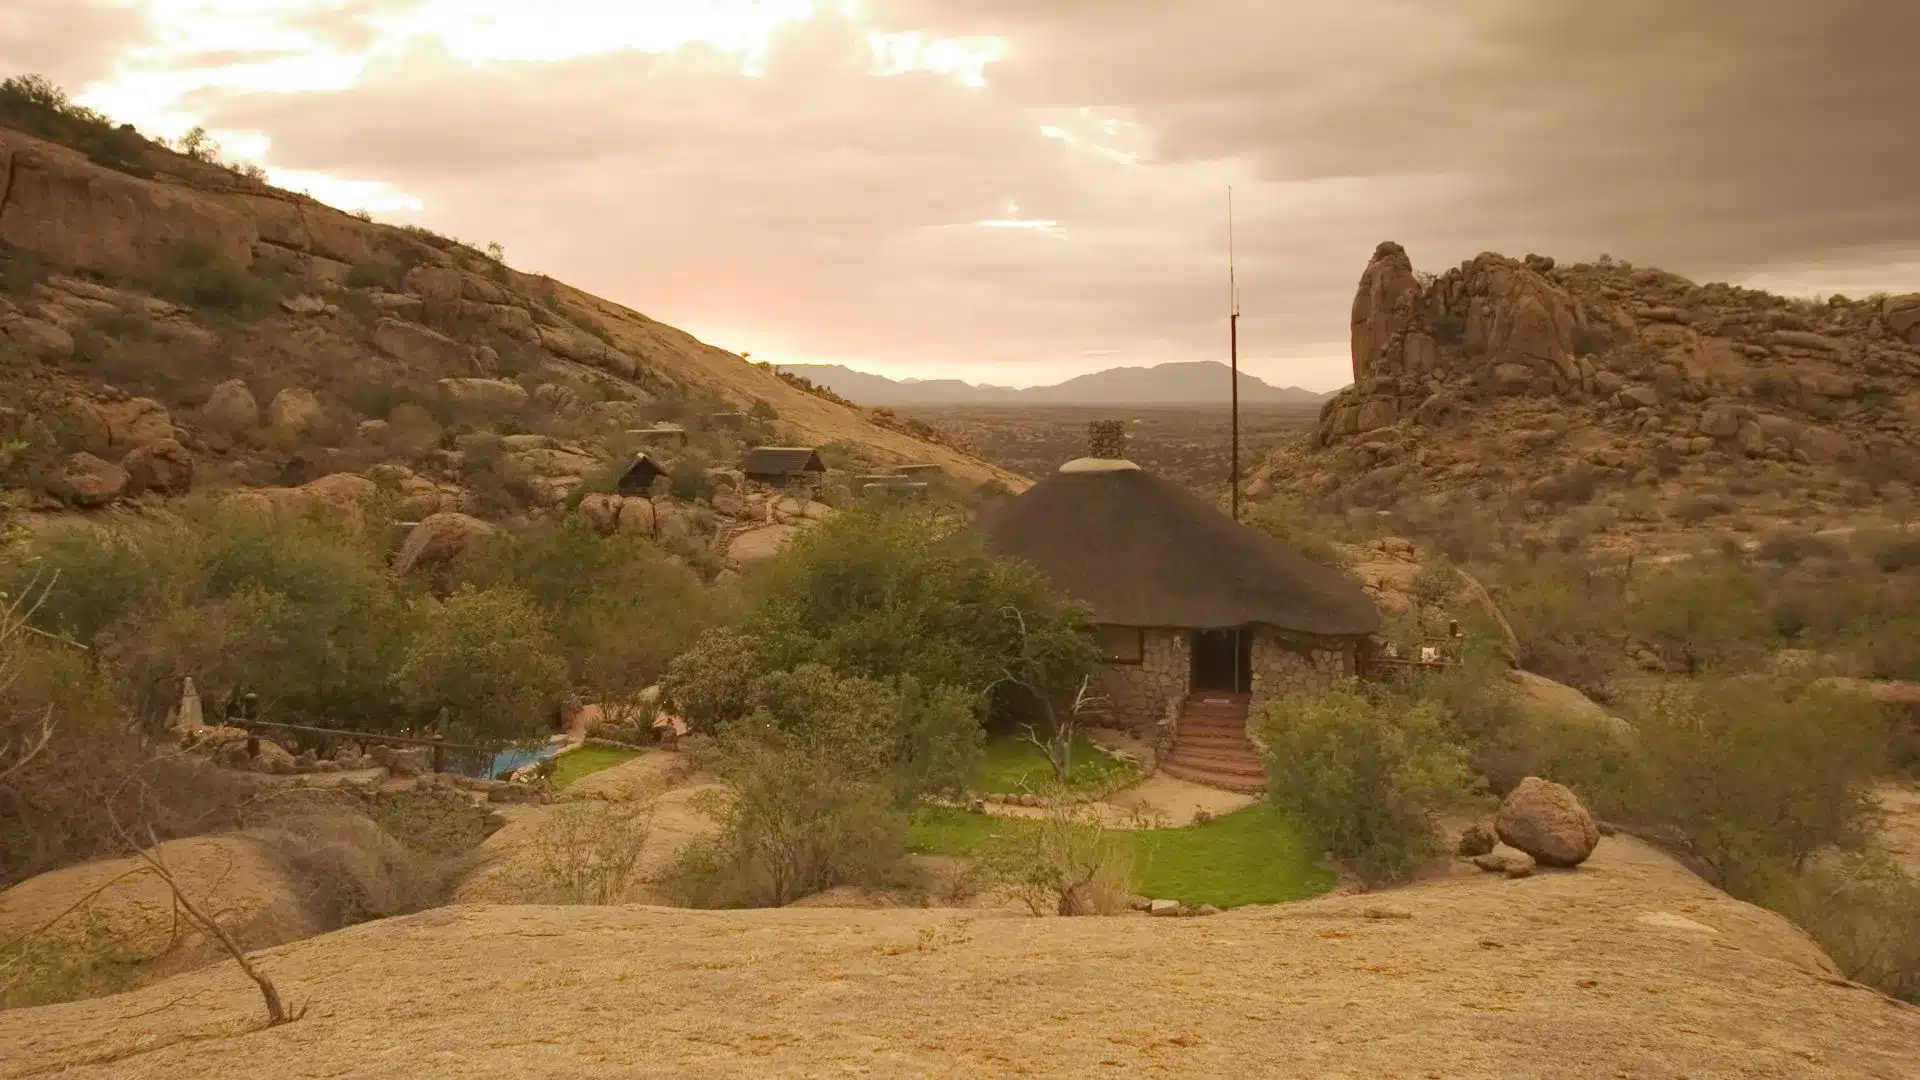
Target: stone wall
(1284, 664)
(1137, 694)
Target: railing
(327, 735)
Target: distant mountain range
(1198, 383)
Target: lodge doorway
(1222, 662)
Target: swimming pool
(515, 757)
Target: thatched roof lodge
(1188, 600)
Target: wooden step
(1214, 738)
(1241, 784)
(1236, 725)
(1249, 769)
(1216, 752)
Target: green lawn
(586, 761)
(1252, 856)
(1013, 765)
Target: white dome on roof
(1099, 464)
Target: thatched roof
(1144, 551)
(781, 461)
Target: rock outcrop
(1557, 385)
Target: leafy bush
(33, 104)
(620, 610)
(589, 851)
(712, 683)
(37, 425)
(893, 589)
(1864, 910)
(370, 274)
(488, 660)
(1758, 776)
(199, 275)
(1071, 864)
(1290, 525)
(296, 608)
(1711, 616)
(821, 775)
(1362, 773)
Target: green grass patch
(1252, 856)
(586, 761)
(1013, 765)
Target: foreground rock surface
(1630, 968)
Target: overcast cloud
(818, 212)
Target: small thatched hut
(1188, 600)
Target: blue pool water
(514, 757)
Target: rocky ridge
(1551, 386)
(196, 329)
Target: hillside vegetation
(169, 324)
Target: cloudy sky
(1017, 191)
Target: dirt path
(1628, 967)
(1159, 801)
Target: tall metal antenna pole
(1233, 347)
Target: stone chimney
(1107, 440)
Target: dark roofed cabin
(1192, 606)
(780, 464)
(639, 477)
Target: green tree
(488, 660)
(1711, 616)
(1362, 773)
(891, 589)
(620, 608)
(1760, 776)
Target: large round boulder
(231, 409)
(164, 466)
(86, 481)
(1546, 820)
(439, 537)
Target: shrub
(488, 660)
(1704, 616)
(33, 104)
(1864, 910)
(37, 424)
(1362, 774)
(295, 607)
(197, 274)
(1758, 776)
(794, 825)
(1070, 865)
(1290, 525)
(712, 683)
(589, 852)
(1567, 619)
(370, 274)
(821, 776)
(620, 610)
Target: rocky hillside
(170, 325)
(1628, 966)
(1637, 399)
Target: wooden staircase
(1210, 745)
